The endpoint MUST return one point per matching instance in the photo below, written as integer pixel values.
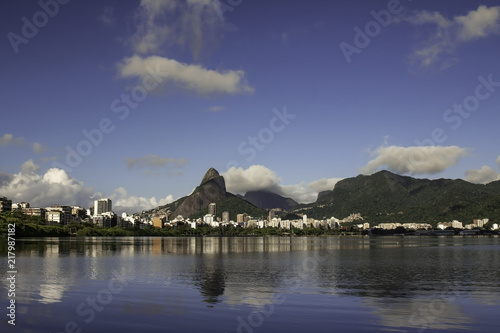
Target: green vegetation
(30, 226)
(27, 226)
(386, 197)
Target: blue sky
(135, 100)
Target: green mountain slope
(387, 197)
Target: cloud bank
(484, 175)
(414, 160)
(258, 177)
(184, 76)
(169, 27)
(56, 186)
(9, 139)
(124, 202)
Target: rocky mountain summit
(211, 189)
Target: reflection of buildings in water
(157, 246)
(218, 245)
(129, 246)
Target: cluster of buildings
(244, 220)
(477, 224)
(55, 214)
(101, 213)
(411, 226)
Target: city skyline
(150, 95)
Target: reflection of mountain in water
(210, 273)
(389, 274)
(211, 281)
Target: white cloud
(154, 161)
(414, 160)
(258, 177)
(29, 167)
(498, 160)
(324, 184)
(124, 202)
(484, 175)
(55, 186)
(192, 24)
(424, 17)
(189, 77)
(9, 139)
(439, 49)
(216, 108)
(479, 23)
(39, 148)
(107, 16)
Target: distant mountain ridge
(380, 197)
(387, 197)
(269, 200)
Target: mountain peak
(211, 189)
(209, 175)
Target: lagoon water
(255, 284)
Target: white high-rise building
(102, 206)
(212, 209)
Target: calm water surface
(322, 284)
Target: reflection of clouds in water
(29, 291)
(161, 280)
(300, 276)
(51, 293)
(439, 312)
(254, 296)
